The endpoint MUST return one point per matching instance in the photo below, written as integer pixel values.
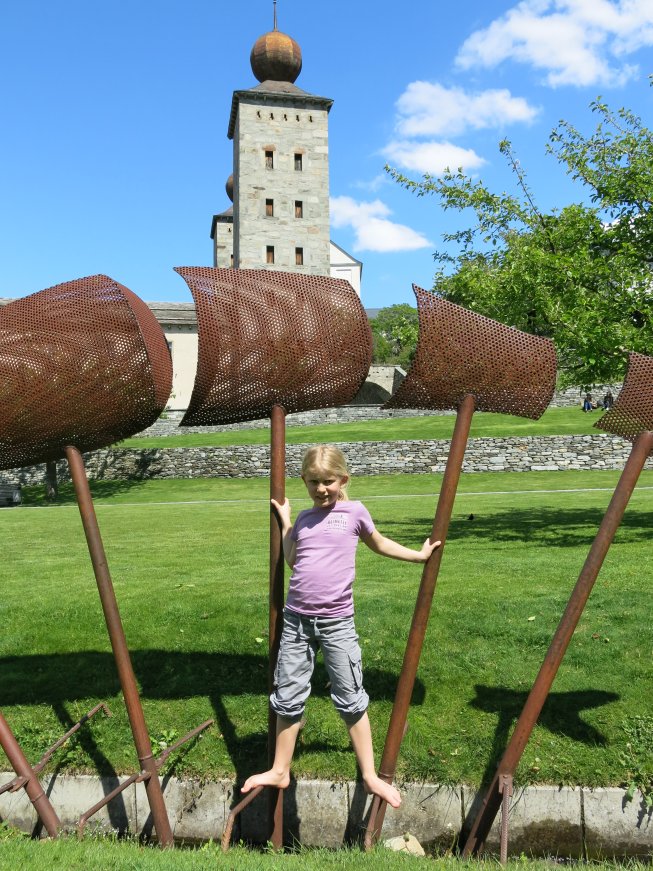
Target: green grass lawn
(108, 855)
(554, 421)
(189, 562)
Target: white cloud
(430, 109)
(574, 41)
(432, 157)
(373, 231)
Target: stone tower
(280, 217)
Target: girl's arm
(289, 546)
(387, 547)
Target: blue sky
(113, 146)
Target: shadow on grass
(55, 679)
(560, 715)
(34, 495)
(540, 527)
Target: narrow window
(269, 159)
(232, 261)
(299, 256)
(269, 254)
(299, 209)
(298, 162)
(269, 208)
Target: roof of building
(270, 91)
(174, 313)
(277, 56)
(182, 313)
(226, 217)
(347, 258)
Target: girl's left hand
(428, 548)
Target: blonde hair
(327, 458)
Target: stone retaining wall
(547, 821)
(534, 454)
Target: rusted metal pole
(33, 788)
(505, 788)
(231, 819)
(485, 817)
(421, 614)
(276, 600)
(120, 650)
(49, 753)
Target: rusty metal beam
(463, 361)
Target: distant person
(587, 403)
(608, 400)
(320, 548)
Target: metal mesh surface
(274, 338)
(460, 352)
(84, 363)
(632, 412)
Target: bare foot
(266, 778)
(386, 791)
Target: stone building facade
(281, 179)
(279, 186)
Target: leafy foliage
(394, 331)
(580, 275)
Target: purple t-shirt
(323, 574)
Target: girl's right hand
(282, 509)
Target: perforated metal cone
(274, 338)
(84, 363)
(460, 352)
(632, 412)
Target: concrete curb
(544, 820)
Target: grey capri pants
(301, 638)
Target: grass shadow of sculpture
(57, 679)
(34, 494)
(537, 527)
(560, 716)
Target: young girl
(319, 613)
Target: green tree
(394, 331)
(581, 274)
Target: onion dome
(276, 57)
(229, 187)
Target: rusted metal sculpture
(632, 418)
(27, 779)
(467, 362)
(271, 343)
(271, 338)
(82, 365)
(27, 775)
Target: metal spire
(275, 14)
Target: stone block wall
(543, 453)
